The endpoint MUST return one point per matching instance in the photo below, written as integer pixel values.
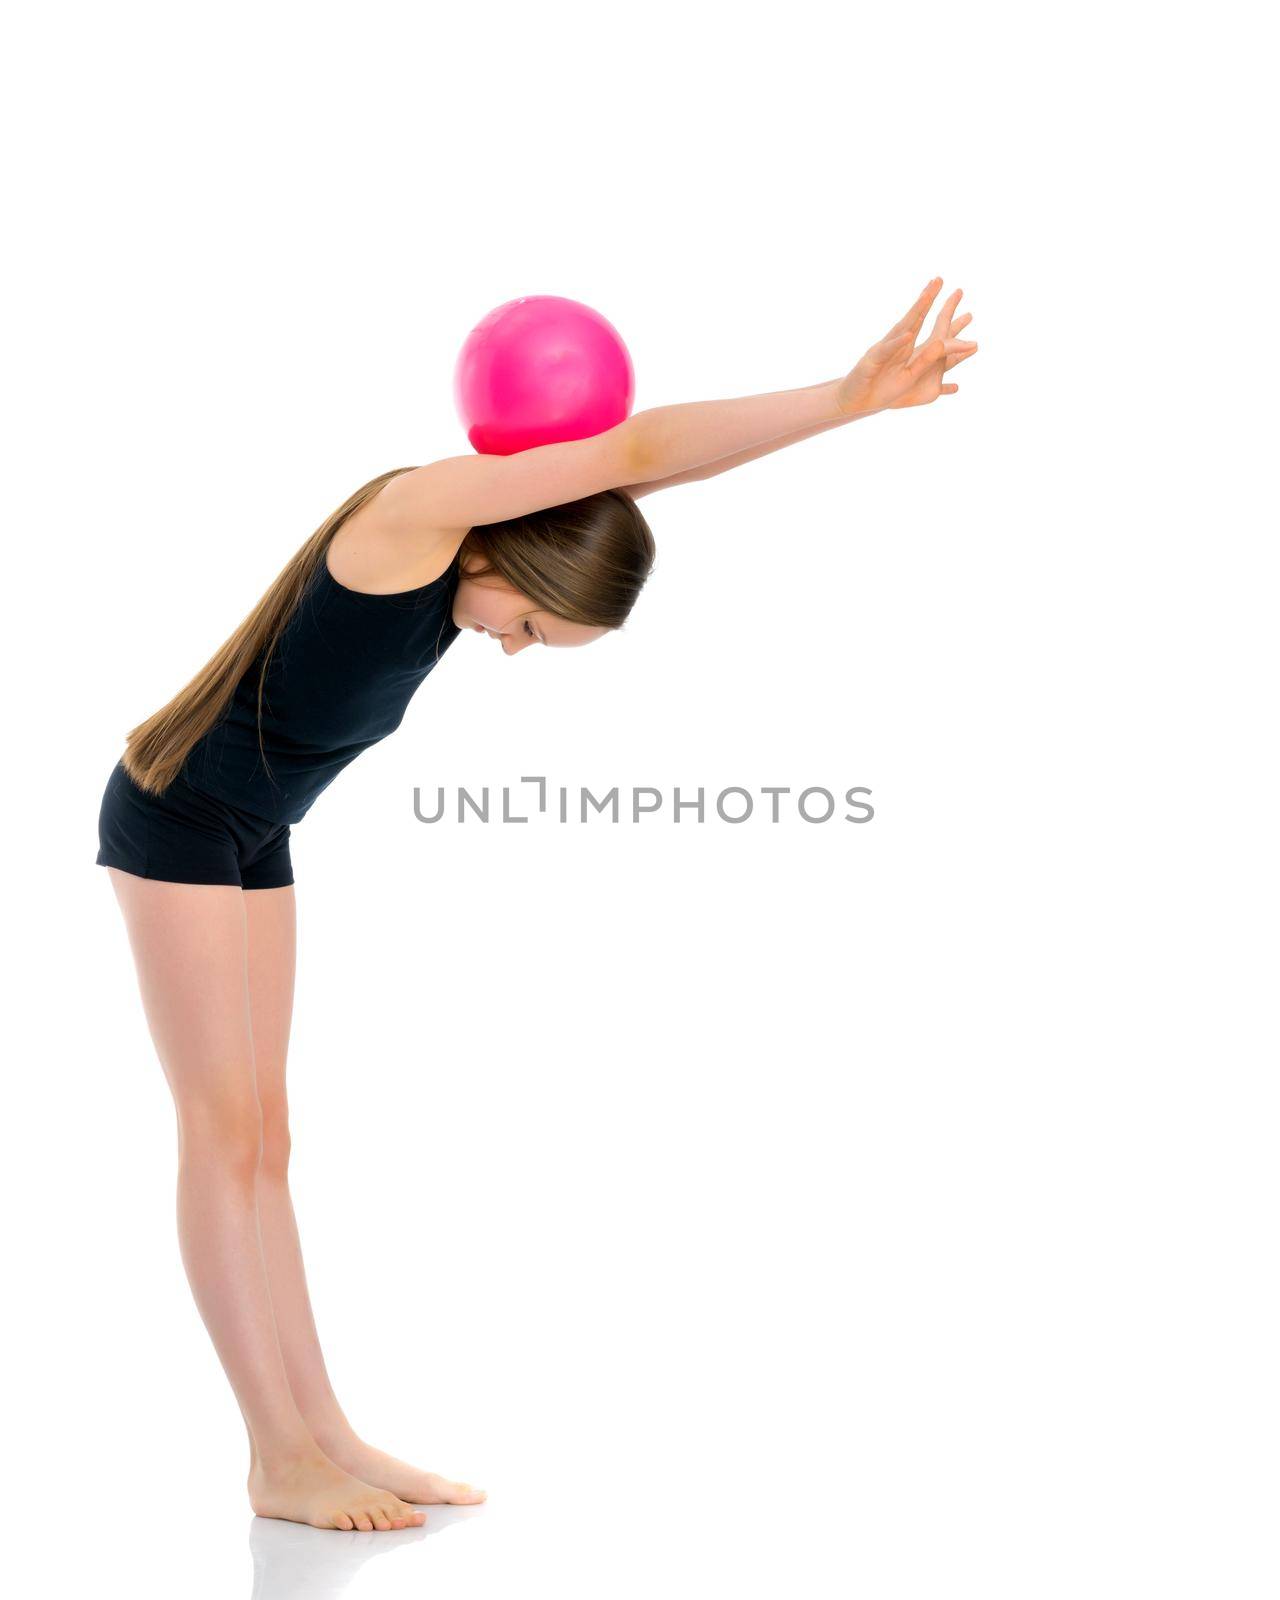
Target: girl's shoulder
(375, 553)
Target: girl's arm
(671, 441)
(460, 492)
(667, 442)
(712, 469)
(892, 375)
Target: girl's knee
(225, 1127)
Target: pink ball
(538, 370)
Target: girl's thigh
(270, 918)
(189, 945)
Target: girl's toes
(380, 1519)
(343, 1521)
(363, 1523)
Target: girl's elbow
(638, 449)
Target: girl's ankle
(330, 1430)
(281, 1458)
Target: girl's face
(488, 605)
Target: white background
(818, 1210)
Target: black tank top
(342, 673)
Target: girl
(543, 547)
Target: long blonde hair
(586, 560)
(156, 749)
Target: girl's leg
(189, 945)
(271, 921)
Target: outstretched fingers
(937, 349)
(942, 322)
(913, 321)
(954, 360)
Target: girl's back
(340, 678)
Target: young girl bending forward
(546, 547)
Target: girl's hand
(894, 373)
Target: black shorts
(184, 836)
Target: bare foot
(317, 1490)
(410, 1483)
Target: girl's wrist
(848, 408)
